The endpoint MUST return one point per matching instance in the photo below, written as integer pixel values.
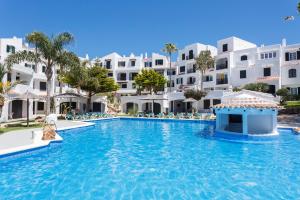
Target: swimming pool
(148, 159)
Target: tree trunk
(89, 100)
(60, 87)
(201, 80)
(48, 100)
(170, 74)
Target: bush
(132, 111)
(195, 94)
(258, 87)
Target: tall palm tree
(169, 49)
(204, 62)
(48, 51)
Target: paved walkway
(24, 137)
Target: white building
(237, 62)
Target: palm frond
(21, 56)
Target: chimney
(283, 42)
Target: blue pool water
(142, 159)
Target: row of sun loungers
(203, 116)
(87, 116)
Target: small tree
(93, 80)
(204, 62)
(150, 80)
(258, 87)
(284, 94)
(195, 94)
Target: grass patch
(292, 104)
(17, 127)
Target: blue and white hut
(247, 113)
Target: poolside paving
(24, 137)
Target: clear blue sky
(139, 26)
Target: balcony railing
(191, 71)
(222, 81)
(221, 66)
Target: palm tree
(48, 51)
(169, 49)
(204, 62)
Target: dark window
(222, 64)
(244, 57)
(183, 56)
(121, 64)
(206, 103)
(272, 89)
(40, 105)
(191, 80)
(132, 63)
(191, 54)
(44, 69)
(9, 77)
(10, 49)
(43, 86)
(122, 77)
(182, 69)
(298, 55)
(132, 76)
(216, 101)
(287, 56)
(124, 85)
(18, 77)
(179, 80)
(110, 74)
(267, 71)
(159, 62)
(235, 118)
(243, 74)
(225, 47)
(292, 73)
(108, 64)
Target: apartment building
(237, 62)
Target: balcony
(221, 66)
(222, 81)
(107, 66)
(191, 70)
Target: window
(292, 73)
(9, 76)
(44, 69)
(292, 56)
(40, 106)
(43, 86)
(268, 55)
(18, 77)
(191, 54)
(172, 84)
(159, 62)
(124, 85)
(148, 64)
(10, 49)
(267, 71)
(132, 63)
(225, 47)
(207, 78)
(191, 80)
(172, 72)
(179, 81)
(110, 74)
(222, 64)
(182, 69)
(108, 64)
(132, 75)
(244, 57)
(183, 56)
(122, 77)
(243, 74)
(121, 64)
(294, 91)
